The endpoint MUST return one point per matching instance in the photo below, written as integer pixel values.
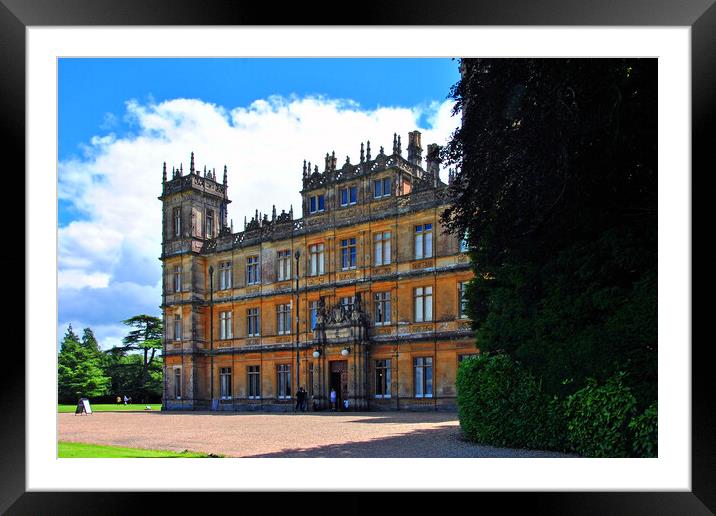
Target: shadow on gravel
(429, 443)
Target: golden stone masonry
(362, 295)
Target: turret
(415, 150)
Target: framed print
(36, 37)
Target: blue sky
(120, 119)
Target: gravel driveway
(355, 434)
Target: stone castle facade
(373, 284)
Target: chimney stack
(415, 149)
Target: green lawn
(110, 407)
(68, 450)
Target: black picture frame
(16, 15)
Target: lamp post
(297, 255)
(211, 331)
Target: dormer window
(349, 195)
(381, 187)
(317, 203)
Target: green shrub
(500, 404)
(597, 418)
(644, 432)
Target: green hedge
(644, 432)
(598, 417)
(500, 404)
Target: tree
(79, 371)
(146, 337)
(557, 190)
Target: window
(177, 278)
(347, 303)
(460, 358)
(284, 265)
(254, 375)
(224, 275)
(314, 314)
(311, 380)
(253, 273)
(348, 253)
(283, 319)
(225, 383)
(423, 377)
(349, 195)
(423, 304)
(252, 322)
(381, 187)
(382, 308)
(209, 223)
(382, 248)
(284, 381)
(225, 328)
(177, 383)
(177, 221)
(317, 262)
(317, 203)
(464, 245)
(461, 300)
(382, 378)
(177, 327)
(423, 241)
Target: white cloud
(115, 186)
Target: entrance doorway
(339, 381)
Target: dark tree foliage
(557, 190)
(138, 374)
(79, 370)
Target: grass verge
(110, 407)
(68, 450)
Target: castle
(363, 294)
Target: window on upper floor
(284, 265)
(349, 195)
(177, 221)
(382, 308)
(283, 319)
(316, 265)
(381, 254)
(224, 275)
(253, 270)
(464, 244)
(423, 241)
(225, 326)
(348, 253)
(209, 223)
(316, 203)
(177, 278)
(253, 322)
(313, 314)
(177, 327)
(423, 304)
(461, 299)
(382, 187)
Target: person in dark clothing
(300, 397)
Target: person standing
(333, 399)
(125, 399)
(299, 398)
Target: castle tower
(194, 210)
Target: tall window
(316, 203)
(464, 245)
(253, 273)
(349, 195)
(284, 265)
(225, 327)
(382, 308)
(209, 223)
(284, 381)
(381, 187)
(283, 319)
(461, 299)
(254, 375)
(348, 253)
(224, 275)
(177, 278)
(225, 383)
(382, 248)
(317, 261)
(347, 303)
(177, 221)
(314, 314)
(177, 327)
(423, 304)
(177, 383)
(423, 377)
(252, 322)
(382, 378)
(423, 241)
